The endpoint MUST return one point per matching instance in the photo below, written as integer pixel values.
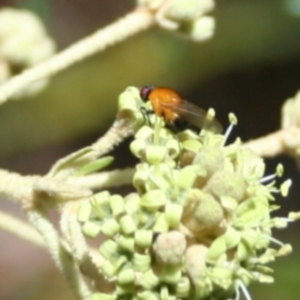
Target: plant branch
(62, 258)
(279, 142)
(27, 190)
(16, 187)
(140, 19)
(21, 229)
(119, 131)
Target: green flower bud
(170, 274)
(108, 249)
(101, 198)
(155, 154)
(149, 280)
(217, 248)
(127, 224)
(183, 287)
(229, 204)
(173, 148)
(110, 227)
(132, 203)
(243, 251)
(117, 205)
(84, 212)
(129, 105)
(138, 147)
(143, 238)
(91, 229)
(192, 145)
(161, 224)
(108, 269)
(141, 262)
(126, 243)
(173, 214)
(145, 133)
(222, 276)
(250, 237)
(126, 277)
(188, 176)
(140, 178)
(153, 199)
(251, 212)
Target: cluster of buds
(188, 17)
(24, 43)
(199, 225)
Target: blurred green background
(250, 67)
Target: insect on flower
(176, 111)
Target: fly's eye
(145, 91)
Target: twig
(21, 229)
(118, 132)
(26, 190)
(62, 258)
(140, 19)
(282, 141)
(16, 187)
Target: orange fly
(168, 104)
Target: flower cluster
(198, 225)
(184, 16)
(24, 43)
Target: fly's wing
(194, 115)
